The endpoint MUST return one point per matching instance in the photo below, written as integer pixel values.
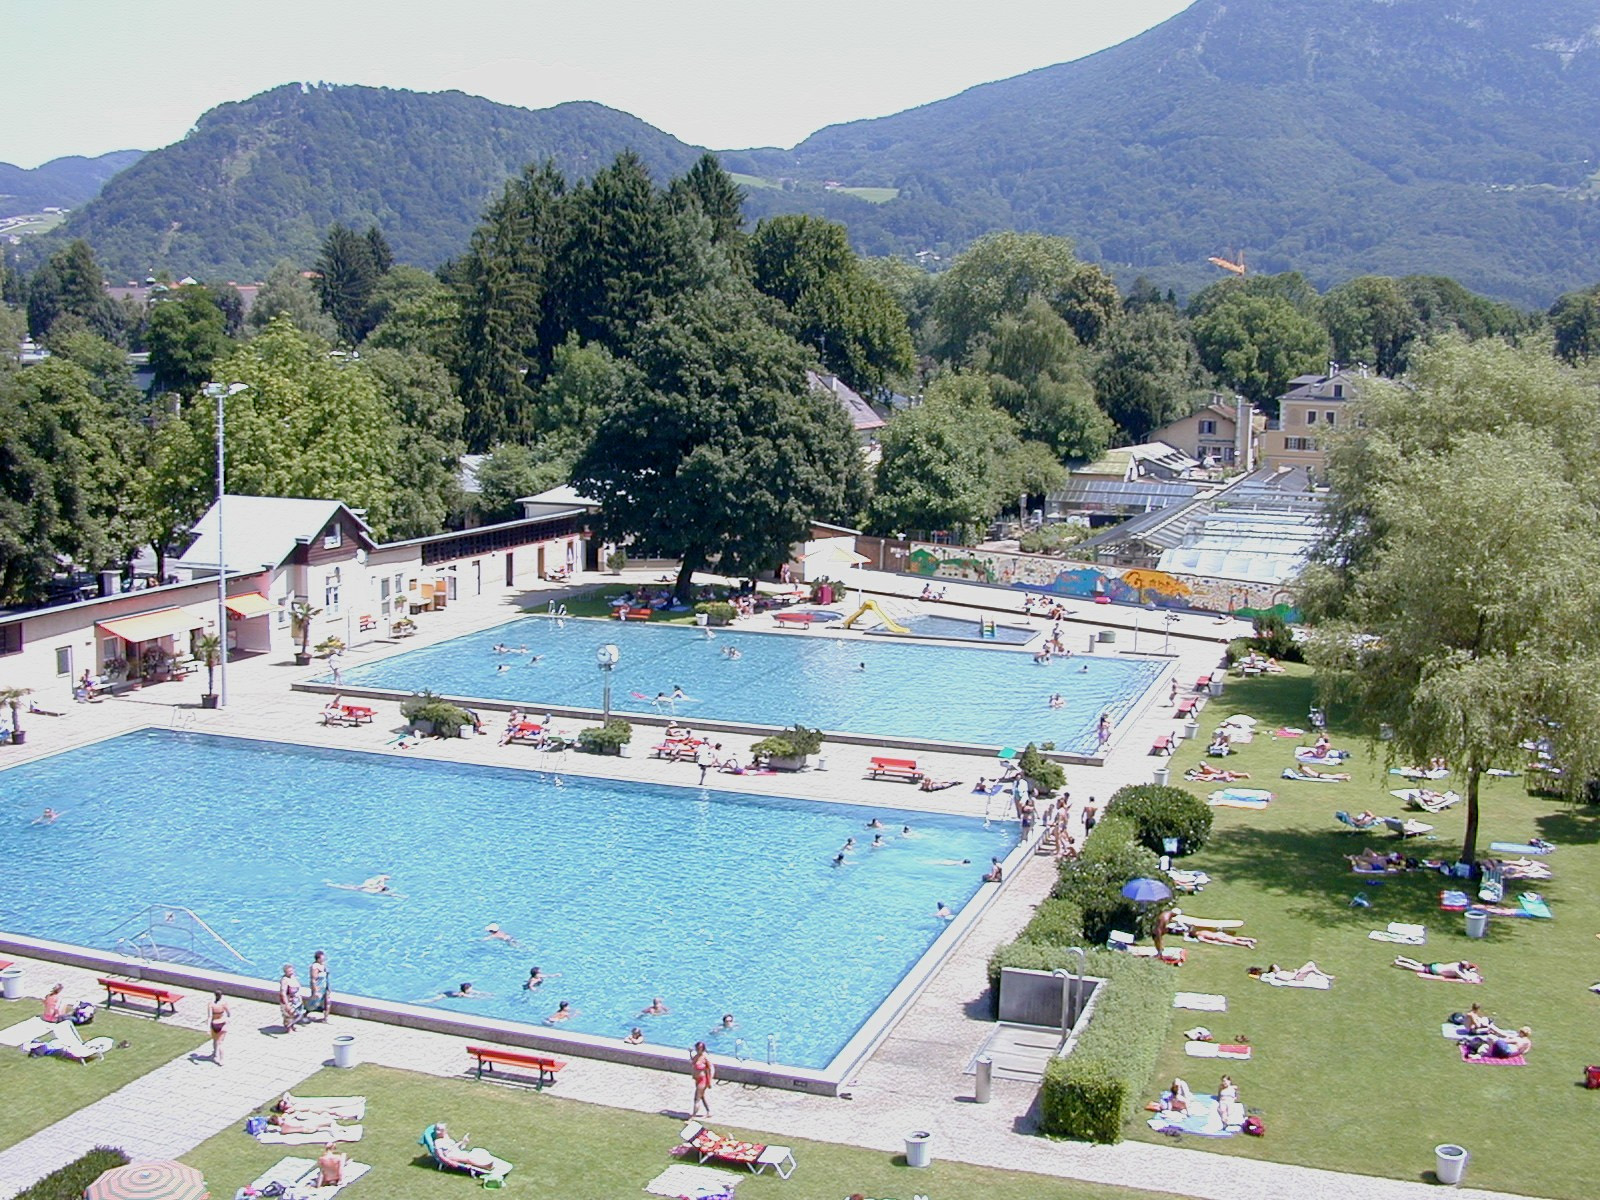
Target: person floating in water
(493, 933)
(677, 693)
(378, 885)
(47, 817)
(942, 911)
(564, 1012)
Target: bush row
(70, 1181)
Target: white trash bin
(344, 1051)
(1451, 1162)
(1163, 776)
(918, 1151)
(1477, 922)
(11, 983)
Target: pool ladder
(186, 933)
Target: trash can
(1163, 774)
(1477, 922)
(1107, 635)
(920, 1154)
(1216, 685)
(982, 1083)
(822, 762)
(1191, 729)
(702, 619)
(1451, 1161)
(11, 982)
(344, 1051)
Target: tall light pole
(607, 656)
(1171, 620)
(220, 393)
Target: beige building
(1313, 405)
(1219, 435)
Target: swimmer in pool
(564, 1012)
(47, 817)
(635, 1037)
(465, 992)
(942, 911)
(494, 933)
(838, 859)
(655, 1008)
(877, 842)
(874, 824)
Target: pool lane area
(870, 687)
(618, 891)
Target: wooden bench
(131, 989)
(1162, 745)
(1187, 706)
(895, 768)
(489, 1056)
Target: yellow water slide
(871, 606)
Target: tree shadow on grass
(1574, 824)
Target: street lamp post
(607, 657)
(1171, 620)
(220, 394)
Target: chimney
(110, 583)
(1244, 435)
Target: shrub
(1094, 883)
(447, 719)
(1043, 776)
(70, 1181)
(1029, 956)
(1090, 1094)
(609, 738)
(716, 610)
(617, 560)
(1055, 923)
(794, 742)
(1053, 539)
(1160, 812)
(1237, 649)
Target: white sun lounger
(76, 1048)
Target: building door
(477, 577)
(541, 562)
(511, 570)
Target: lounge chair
(1424, 800)
(755, 1155)
(497, 1169)
(1407, 828)
(75, 1048)
(1345, 818)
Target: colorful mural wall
(1107, 585)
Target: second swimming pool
(867, 686)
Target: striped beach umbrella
(156, 1179)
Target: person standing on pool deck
(318, 978)
(289, 998)
(705, 757)
(1104, 730)
(219, 1025)
(704, 1076)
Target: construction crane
(1237, 267)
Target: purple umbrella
(1145, 891)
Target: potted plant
(403, 627)
(301, 614)
(329, 646)
(715, 612)
(617, 560)
(787, 751)
(209, 650)
(117, 666)
(609, 738)
(13, 696)
(434, 716)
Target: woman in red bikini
(704, 1075)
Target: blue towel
(1519, 848)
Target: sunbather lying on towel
(1373, 860)
(1206, 773)
(352, 1107)
(1304, 772)
(930, 784)
(1465, 971)
(1219, 938)
(304, 1122)
(1309, 971)
(1505, 1045)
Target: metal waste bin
(920, 1154)
(1477, 922)
(983, 1081)
(1191, 729)
(11, 982)
(1450, 1162)
(1107, 635)
(1163, 775)
(344, 1051)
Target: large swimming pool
(618, 892)
(869, 686)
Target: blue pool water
(928, 625)
(907, 690)
(620, 891)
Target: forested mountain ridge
(1335, 137)
(263, 179)
(59, 183)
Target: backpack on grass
(1254, 1126)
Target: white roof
(261, 531)
(565, 494)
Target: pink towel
(1444, 978)
(1516, 1060)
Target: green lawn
(597, 603)
(872, 195)
(41, 1091)
(1358, 1078)
(584, 1152)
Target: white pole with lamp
(220, 394)
(1171, 619)
(607, 656)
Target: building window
(1328, 417)
(1208, 428)
(330, 592)
(11, 639)
(334, 538)
(1311, 417)
(64, 660)
(1299, 443)
(1338, 391)
(283, 611)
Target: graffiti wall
(1109, 585)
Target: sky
(90, 76)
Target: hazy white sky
(88, 76)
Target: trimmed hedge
(1093, 1092)
(1055, 923)
(1094, 885)
(69, 1182)
(1159, 812)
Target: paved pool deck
(914, 1081)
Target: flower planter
(208, 701)
(786, 763)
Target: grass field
(41, 1091)
(574, 1151)
(872, 195)
(1358, 1078)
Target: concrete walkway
(915, 1079)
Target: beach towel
(299, 1174)
(339, 1133)
(1516, 1060)
(351, 1107)
(697, 1183)
(1444, 978)
(1317, 983)
(1455, 1033)
(1521, 848)
(1216, 1050)
(1402, 933)
(1302, 777)
(1203, 1001)
(1240, 798)
(26, 1031)
(1419, 773)
(1202, 1119)
(1454, 901)
(1287, 732)
(1534, 905)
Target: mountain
(59, 183)
(262, 179)
(1336, 137)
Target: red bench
(1162, 745)
(895, 768)
(348, 714)
(489, 1056)
(129, 988)
(1203, 684)
(635, 614)
(790, 618)
(1187, 705)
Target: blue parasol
(1145, 891)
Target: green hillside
(1335, 137)
(59, 183)
(264, 178)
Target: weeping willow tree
(1453, 602)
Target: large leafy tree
(70, 285)
(1575, 322)
(427, 421)
(348, 269)
(1256, 342)
(1040, 375)
(288, 293)
(1148, 372)
(1370, 320)
(719, 453)
(186, 334)
(1453, 601)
